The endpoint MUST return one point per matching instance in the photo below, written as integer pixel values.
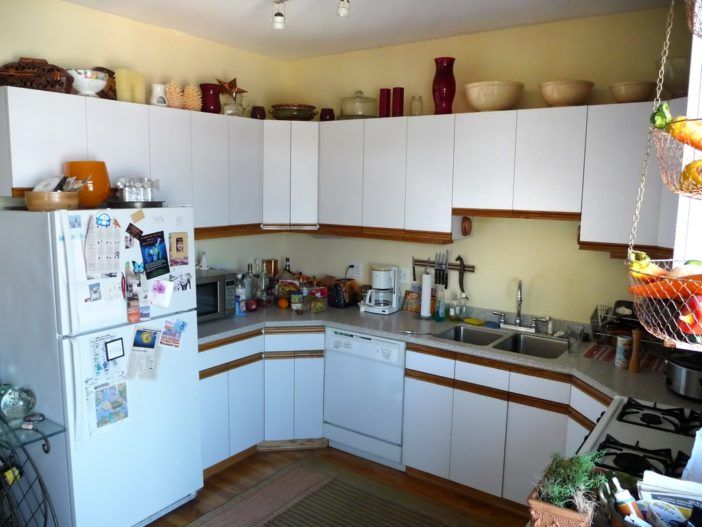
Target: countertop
(604, 376)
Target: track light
(343, 9)
(278, 14)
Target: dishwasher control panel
(372, 348)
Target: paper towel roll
(425, 306)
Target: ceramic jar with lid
(358, 106)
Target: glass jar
(416, 105)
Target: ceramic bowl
(88, 82)
(293, 112)
(634, 91)
(489, 96)
(51, 200)
(677, 75)
(565, 93)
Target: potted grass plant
(567, 494)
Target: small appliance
(344, 292)
(384, 295)
(216, 294)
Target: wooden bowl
(51, 200)
(490, 96)
(634, 91)
(565, 93)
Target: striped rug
(314, 493)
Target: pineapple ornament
(192, 98)
(174, 95)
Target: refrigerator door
(95, 252)
(133, 444)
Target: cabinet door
(429, 173)
(210, 169)
(384, 168)
(304, 173)
(276, 172)
(309, 396)
(427, 427)
(533, 436)
(214, 419)
(478, 441)
(483, 160)
(575, 436)
(118, 134)
(245, 170)
(279, 399)
(548, 168)
(245, 407)
(170, 141)
(341, 172)
(40, 131)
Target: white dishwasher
(363, 395)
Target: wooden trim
(535, 402)
(581, 419)
(527, 214)
(590, 391)
(441, 238)
(277, 330)
(229, 340)
(420, 348)
(225, 464)
(481, 390)
(277, 355)
(293, 444)
(540, 373)
(478, 495)
(617, 250)
(381, 233)
(231, 365)
(309, 354)
(483, 361)
(226, 231)
(18, 192)
(428, 377)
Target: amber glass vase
(97, 189)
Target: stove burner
(632, 463)
(634, 459)
(651, 419)
(694, 423)
(652, 416)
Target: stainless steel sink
(534, 345)
(471, 335)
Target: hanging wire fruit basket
(694, 16)
(685, 181)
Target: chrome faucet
(518, 319)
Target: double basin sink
(522, 343)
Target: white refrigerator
(75, 283)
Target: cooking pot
(684, 374)
(358, 106)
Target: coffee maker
(384, 295)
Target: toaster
(344, 292)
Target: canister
(623, 350)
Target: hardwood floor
(223, 486)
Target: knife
(446, 269)
(414, 271)
(461, 270)
(437, 271)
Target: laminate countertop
(602, 375)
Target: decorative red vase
(384, 108)
(210, 98)
(444, 86)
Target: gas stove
(637, 435)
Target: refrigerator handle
(76, 390)
(70, 269)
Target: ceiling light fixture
(343, 9)
(278, 14)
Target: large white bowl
(88, 82)
(566, 93)
(633, 91)
(489, 96)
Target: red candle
(384, 108)
(398, 101)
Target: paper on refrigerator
(103, 242)
(105, 384)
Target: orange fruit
(283, 303)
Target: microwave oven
(215, 293)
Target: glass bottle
(462, 309)
(248, 282)
(416, 105)
(452, 306)
(440, 304)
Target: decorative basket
(669, 152)
(666, 306)
(37, 74)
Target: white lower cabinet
(427, 427)
(575, 436)
(245, 407)
(214, 422)
(309, 397)
(279, 393)
(478, 441)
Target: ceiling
(312, 27)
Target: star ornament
(230, 87)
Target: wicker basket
(670, 157)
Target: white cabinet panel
(41, 132)
(309, 396)
(304, 173)
(214, 419)
(229, 352)
(294, 341)
(427, 427)
(478, 441)
(210, 136)
(170, 143)
(245, 407)
(384, 168)
(426, 363)
(483, 160)
(482, 375)
(279, 399)
(533, 436)
(550, 147)
(341, 172)
(118, 134)
(547, 389)
(245, 170)
(276, 172)
(429, 173)
(586, 405)
(575, 436)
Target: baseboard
(226, 463)
(293, 444)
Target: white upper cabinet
(39, 132)
(429, 173)
(245, 170)
(483, 160)
(276, 172)
(548, 170)
(384, 169)
(341, 172)
(304, 173)
(210, 169)
(170, 142)
(118, 134)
